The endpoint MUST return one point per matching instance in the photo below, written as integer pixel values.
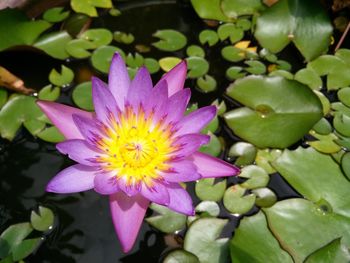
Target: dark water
(83, 231)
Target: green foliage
(89, 6)
(170, 40)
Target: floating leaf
(101, 58)
(345, 164)
(344, 96)
(78, 48)
(195, 51)
(82, 96)
(178, 256)
(206, 83)
(214, 147)
(209, 208)
(122, 37)
(98, 36)
(204, 244)
(232, 54)
(12, 237)
(244, 23)
(341, 123)
(277, 112)
(265, 157)
(304, 23)
(207, 190)
(245, 152)
(323, 127)
(170, 40)
(208, 36)
(197, 67)
(236, 202)
(310, 226)
(54, 44)
(49, 93)
(234, 72)
(168, 63)
(264, 197)
(3, 97)
(255, 67)
(324, 177)
(56, 14)
(309, 77)
(61, 79)
(257, 177)
(325, 143)
(235, 8)
(134, 61)
(51, 134)
(209, 9)
(254, 243)
(332, 252)
(89, 6)
(115, 12)
(152, 65)
(225, 30)
(167, 221)
(266, 54)
(25, 248)
(18, 29)
(76, 23)
(42, 221)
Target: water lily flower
(137, 146)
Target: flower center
(136, 148)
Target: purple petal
(88, 128)
(174, 107)
(157, 193)
(131, 188)
(127, 215)
(209, 166)
(176, 78)
(140, 87)
(104, 102)
(196, 120)
(183, 171)
(157, 96)
(62, 117)
(188, 144)
(180, 200)
(106, 183)
(118, 81)
(79, 151)
(76, 178)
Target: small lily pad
(122, 37)
(244, 23)
(225, 30)
(236, 202)
(209, 208)
(245, 152)
(3, 97)
(101, 58)
(51, 134)
(208, 36)
(255, 67)
(235, 8)
(257, 177)
(341, 123)
(344, 96)
(82, 96)
(265, 157)
(89, 6)
(61, 79)
(54, 44)
(195, 51)
(178, 256)
(42, 221)
(323, 127)
(78, 48)
(214, 147)
(325, 143)
(206, 83)
(232, 54)
(309, 77)
(170, 40)
(134, 61)
(345, 164)
(56, 14)
(265, 197)
(49, 93)
(332, 252)
(197, 67)
(207, 190)
(168, 63)
(98, 36)
(152, 65)
(235, 72)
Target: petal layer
(180, 200)
(76, 178)
(106, 183)
(127, 215)
(176, 78)
(140, 87)
(189, 143)
(157, 194)
(182, 171)
(62, 117)
(209, 166)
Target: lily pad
(89, 6)
(310, 226)
(209, 208)
(101, 58)
(345, 164)
(207, 190)
(18, 29)
(61, 79)
(245, 152)
(235, 8)
(134, 61)
(168, 63)
(325, 180)
(214, 147)
(257, 177)
(209, 9)
(170, 40)
(325, 143)
(206, 83)
(232, 54)
(3, 97)
(309, 77)
(56, 14)
(152, 65)
(78, 48)
(82, 96)
(49, 93)
(197, 67)
(178, 256)
(344, 96)
(265, 197)
(254, 243)
(235, 72)
(42, 221)
(303, 22)
(54, 44)
(341, 123)
(255, 67)
(25, 248)
(122, 37)
(205, 244)
(208, 36)
(277, 112)
(236, 202)
(167, 221)
(195, 51)
(98, 36)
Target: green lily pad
(309, 77)
(49, 93)
(206, 83)
(325, 180)
(89, 6)
(78, 48)
(170, 40)
(61, 79)
(167, 221)
(168, 63)
(235, 8)
(205, 244)
(245, 152)
(56, 14)
(341, 123)
(269, 56)
(209, 208)
(345, 164)
(212, 126)
(310, 226)
(232, 54)
(254, 243)
(42, 221)
(332, 252)
(54, 44)
(225, 30)
(134, 61)
(221, 107)
(25, 248)
(197, 67)
(206, 190)
(178, 256)
(115, 12)
(244, 23)
(98, 36)
(236, 202)
(265, 197)
(19, 29)
(214, 147)
(255, 67)
(3, 97)
(76, 23)
(209, 9)
(323, 127)
(208, 36)
(122, 37)
(264, 158)
(101, 58)
(152, 65)
(303, 22)
(51, 134)
(195, 51)
(344, 96)
(277, 112)
(82, 96)
(234, 72)
(325, 143)
(257, 177)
